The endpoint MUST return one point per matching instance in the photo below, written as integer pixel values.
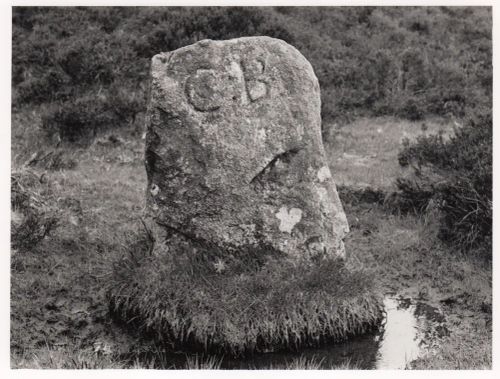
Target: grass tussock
(212, 304)
(203, 363)
(300, 363)
(33, 218)
(55, 358)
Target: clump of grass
(209, 303)
(197, 362)
(48, 357)
(347, 365)
(52, 160)
(300, 363)
(32, 217)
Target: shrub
(214, 303)
(457, 175)
(78, 118)
(81, 118)
(86, 58)
(48, 87)
(412, 109)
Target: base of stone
(239, 305)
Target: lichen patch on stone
(324, 174)
(262, 134)
(288, 218)
(235, 70)
(322, 193)
(155, 190)
(257, 90)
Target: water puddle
(409, 330)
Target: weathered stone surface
(234, 155)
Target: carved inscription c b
(207, 89)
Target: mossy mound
(237, 305)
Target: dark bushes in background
(404, 61)
(82, 117)
(455, 175)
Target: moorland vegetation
(79, 93)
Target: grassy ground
(59, 312)
(364, 153)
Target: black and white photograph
(238, 187)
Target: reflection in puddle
(409, 329)
(399, 341)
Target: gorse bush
(404, 61)
(456, 174)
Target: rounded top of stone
(257, 40)
(265, 42)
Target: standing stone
(234, 155)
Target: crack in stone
(286, 155)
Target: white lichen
(257, 90)
(155, 190)
(322, 193)
(288, 218)
(262, 134)
(324, 174)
